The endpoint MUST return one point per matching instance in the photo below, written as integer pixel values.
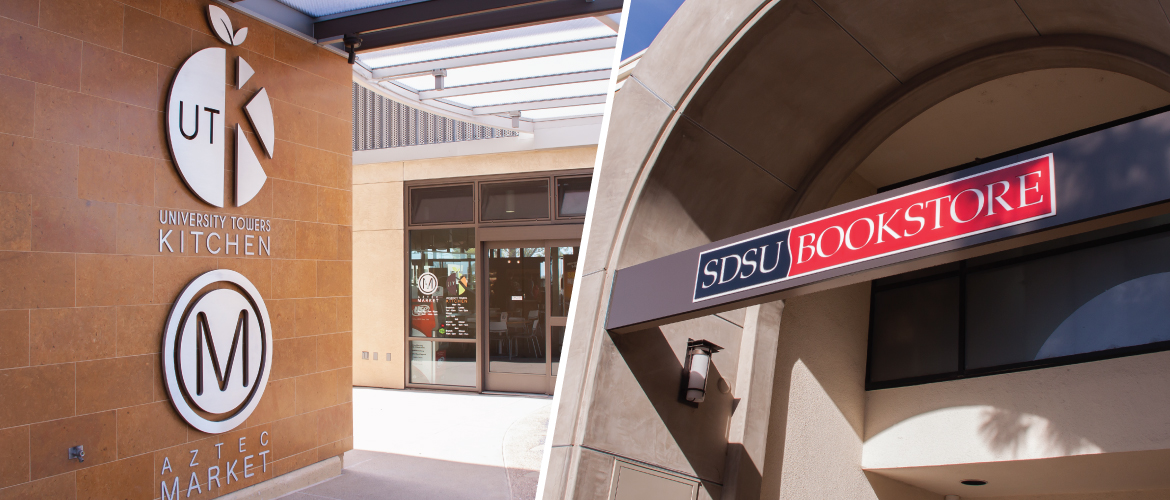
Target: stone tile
(378, 206)
(335, 135)
(276, 404)
(345, 242)
(116, 177)
(344, 314)
(16, 106)
(172, 274)
(258, 271)
(31, 53)
(127, 479)
(293, 357)
(334, 448)
(156, 39)
(322, 168)
(14, 338)
(294, 435)
(373, 173)
(94, 21)
(138, 234)
(14, 456)
(34, 166)
(85, 120)
(140, 329)
(298, 124)
(113, 280)
(293, 279)
(115, 383)
(61, 487)
(283, 164)
(73, 225)
(334, 206)
(314, 316)
(148, 6)
(96, 432)
(293, 200)
(304, 459)
(283, 316)
(283, 239)
(334, 351)
(149, 427)
(193, 14)
(15, 221)
(24, 11)
(34, 279)
(317, 390)
(334, 278)
(316, 241)
(72, 334)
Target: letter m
(173, 494)
(222, 374)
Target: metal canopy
(425, 67)
(440, 19)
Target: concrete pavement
(422, 445)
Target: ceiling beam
(440, 19)
(551, 49)
(393, 16)
(519, 83)
(542, 104)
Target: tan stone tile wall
(84, 289)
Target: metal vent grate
(380, 123)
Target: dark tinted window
(514, 200)
(915, 330)
(441, 204)
(573, 196)
(1081, 298)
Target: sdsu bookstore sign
(1009, 195)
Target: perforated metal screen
(380, 123)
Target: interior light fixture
(698, 362)
(510, 202)
(973, 482)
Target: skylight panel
(529, 36)
(566, 112)
(533, 94)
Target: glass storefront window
(436, 205)
(514, 200)
(573, 196)
(516, 314)
(442, 363)
(564, 271)
(558, 339)
(442, 283)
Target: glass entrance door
(528, 295)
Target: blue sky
(646, 19)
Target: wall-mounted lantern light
(698, 362)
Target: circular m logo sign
(217, 351)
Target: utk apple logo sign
(195, 120)
(217, 351)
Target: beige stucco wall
(379, 244)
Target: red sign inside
(990, 200)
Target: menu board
(459, 320)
